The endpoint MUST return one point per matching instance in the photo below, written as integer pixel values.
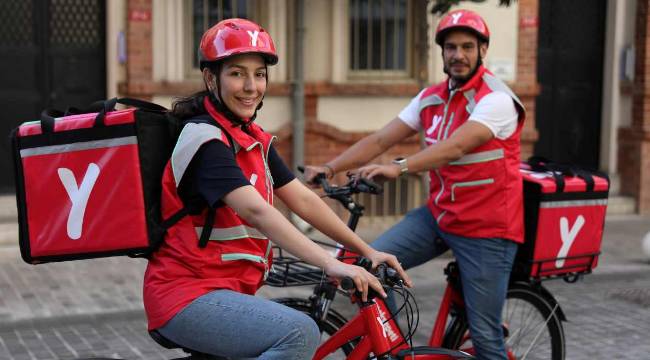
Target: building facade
(581, 68)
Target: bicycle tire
(332, 323)
(523, 313)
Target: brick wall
(634, 141)
(526, 86)
(139, 49)
(324, 142)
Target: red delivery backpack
(564, 212)
(88, 183)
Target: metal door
(52, 54)
(570, 72)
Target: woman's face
(243, 83)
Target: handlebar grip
(347, 283)
(321, 180)
(369, 186)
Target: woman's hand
(362, 278)
(378, 257)
(389, 171)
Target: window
(380, 37)
(206, 13)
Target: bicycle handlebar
(386, 275)
(353, 186)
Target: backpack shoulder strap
(207, 119)
(209, 217)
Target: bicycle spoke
(529, 336)
(539, 332)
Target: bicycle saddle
(168, 344)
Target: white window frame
(341, 68)
(173, 48)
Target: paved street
(84, 309)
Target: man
(472, 124)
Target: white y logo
(568, 236)
(436, 121)
(381, 323)
(456, 17)
(78, 196)
(253, 179)
(253, 35)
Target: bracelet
(331, 174)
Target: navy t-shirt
(213, 173)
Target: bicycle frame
(380, 334)
(372, 329)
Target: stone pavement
(82, 309)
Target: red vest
(237, 257)
(480, 194)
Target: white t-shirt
(495, 110)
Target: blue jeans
(484, 264)
(235, 325)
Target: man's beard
(460, 80)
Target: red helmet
(464, 20)
(236, 36)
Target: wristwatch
(403, 166)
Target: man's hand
(312, 171)
(384, 172)
(378, 257)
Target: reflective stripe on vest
(497, 85)
(190, 140)
(430, 101)
(233, 233)
(451, 120)
(572, 203)
(243, 256)
(479, 157)
(86, 145)
(467, 184)
(250, 257)
(471, 103)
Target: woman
(202, 296)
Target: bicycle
(532, 317)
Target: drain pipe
(298, 90)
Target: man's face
(461, 51)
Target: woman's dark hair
(191, 106)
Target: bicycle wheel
(332, 323)
(532, 326)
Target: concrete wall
(617, 99)
(326, 53)
(345, 112)
(115, 25)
